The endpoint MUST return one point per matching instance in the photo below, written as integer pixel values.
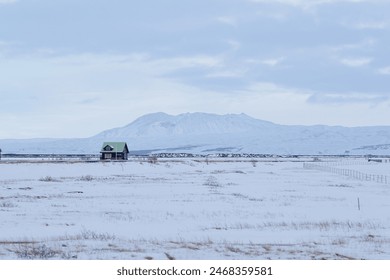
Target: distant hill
(209, 133)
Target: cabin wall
(113, 156)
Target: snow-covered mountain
(210, 133)
(164, 125)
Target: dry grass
(322, 226)
(48, 179)
(6, 204)
(87, 178)
(33, 251)
(90, 235)
(212, 182)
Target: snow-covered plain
(192, 209)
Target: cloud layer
(95, 68)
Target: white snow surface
(203, 133)
(192, 209)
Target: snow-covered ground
(192, 209)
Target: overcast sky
(72, 68)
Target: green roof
(117, 147)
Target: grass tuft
(33, 251)
(48, 179)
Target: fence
(350, 173)
(351, 161)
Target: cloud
(274, 15)
(224, 56)
(372, 25)
(294, 106)
(273, 61)
(356, 62)
(181, 62)
(8, 1)
(362, 45)
(228, 20)
(348, 98)
(90, 92)
(384, 71)
(309, 3)
(235, 45)
(226, 74)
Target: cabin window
(107, 156)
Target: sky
(73, 68)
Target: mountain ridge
(157, 124)
(211, 133)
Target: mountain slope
(210, 133)
(161, 124)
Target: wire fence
(350, 173)
(352, 162)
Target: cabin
(114, 151)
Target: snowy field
(192, 209)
